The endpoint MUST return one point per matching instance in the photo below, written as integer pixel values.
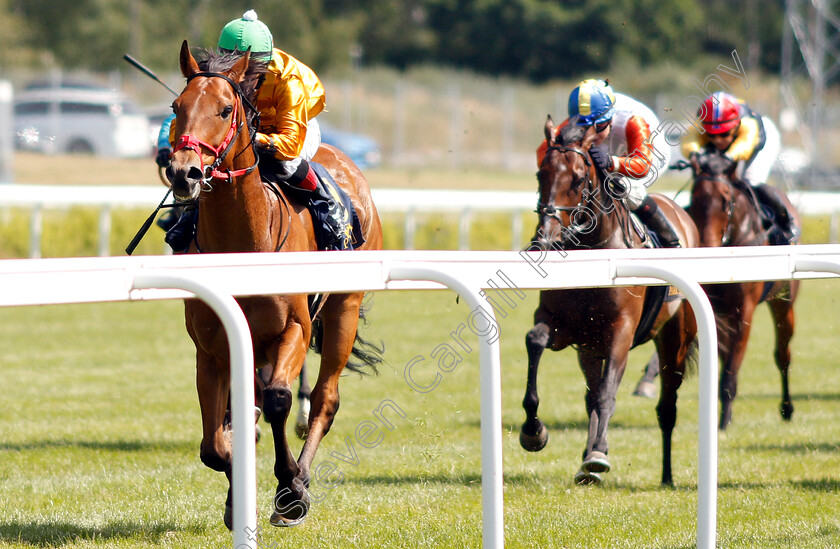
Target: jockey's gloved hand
(262, 142)
(601, 158)
(162, 158)
(700, 161)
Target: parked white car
(82, 120)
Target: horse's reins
(194, 144)
(726, 239)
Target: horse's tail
(367, 354)
(692, 357)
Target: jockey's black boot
(773, 200)
(331, 220)
(169, 218)
(650, 214)
(182, 232)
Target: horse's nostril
(194, 174)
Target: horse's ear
(549, 130)
(589, 137)
(189, 66)
(237, 72)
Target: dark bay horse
(601, 323)
(726, 214)
(214, 166)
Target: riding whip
(145, 228)
(148, 72)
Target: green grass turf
(99, 433)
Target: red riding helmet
(719, 113)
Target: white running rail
(410, 203)
(216, 278)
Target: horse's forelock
(572, 133)
(222, 62)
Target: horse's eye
(226, 112)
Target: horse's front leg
(533, 436)
(673, 344)
(733, 346)
(340, 316)
(783, 319)
(602, 379)
(287, 353)
(213, 384)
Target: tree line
(536, 40)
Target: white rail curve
(216, 278)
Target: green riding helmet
(247, 32)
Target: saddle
(336, 223)
(334, 219)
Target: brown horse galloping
(726, 214)
(601, 322)
(216, 169)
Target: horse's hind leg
(646, 388)
(533, 436)
(783, 317)
(291, 502)
(304, 404)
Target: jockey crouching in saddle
(289, 98)
(738, 133)
(623, 148)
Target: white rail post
(490, 386)
(104, 230)
(36, 229)
(707, 428)
(241, 394)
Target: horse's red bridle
(194, 144)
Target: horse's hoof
(229, 517)
(786, 408)
(302, 430)
(645, 389)
(291, 504)
(595, 462)
(535, 442)
(280, 521)
(585, 478)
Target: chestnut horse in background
(726, 213)
(215, 166)
(601, 323)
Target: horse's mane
(715, 163)
(218, 61)
(571, 133)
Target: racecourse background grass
(99, 433)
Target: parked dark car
(361, 149)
